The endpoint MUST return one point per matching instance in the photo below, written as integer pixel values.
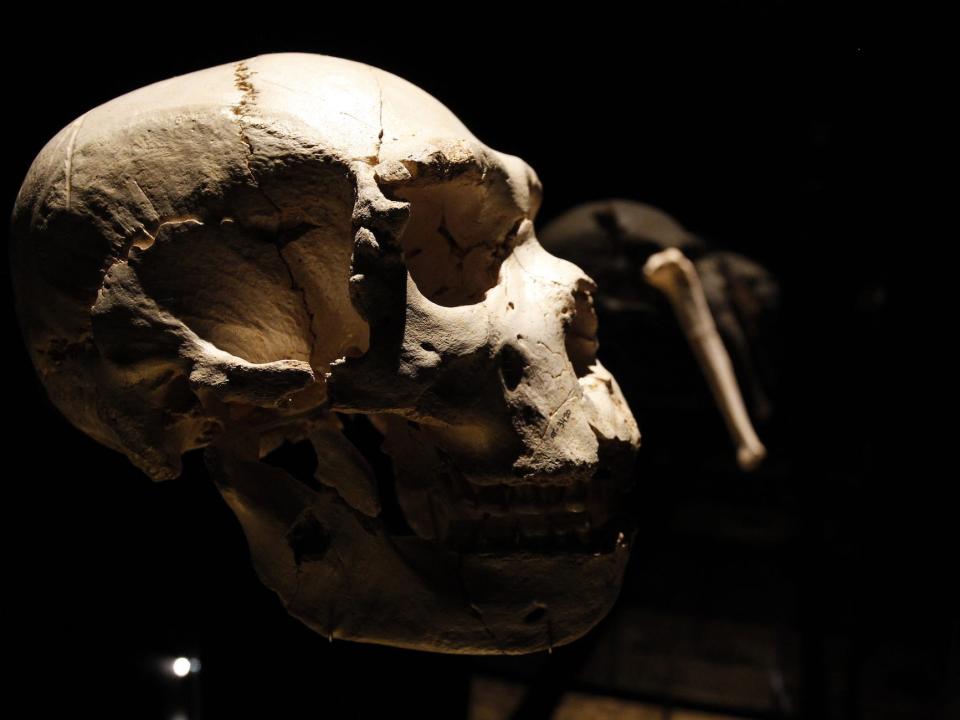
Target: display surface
(303, 249)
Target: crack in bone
(563, 359)
(454, 247)
(549, 349)
(456, 251)
(267, 81)
(68, 160)
(298, 288)
(379, 118)
(560, 407)
(534, 276)
(146, 197)
(243, 81)
(359, 120)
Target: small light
(181, 667)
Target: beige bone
(304, 250)
(673, 274)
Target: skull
(300, 250)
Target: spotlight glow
(181, 667)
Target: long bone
(673, 274)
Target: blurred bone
(673, 274)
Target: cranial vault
(270, 251)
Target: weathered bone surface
(281, 249)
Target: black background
(772, 128)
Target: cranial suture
(266, 252)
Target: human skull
(275, 250)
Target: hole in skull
(367, 439)
(298, 459)
(535, 615)
(580, 339)
(308, 539)
(512, 365)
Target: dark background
(773, 129)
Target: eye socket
(512, 366)
(458, 233)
